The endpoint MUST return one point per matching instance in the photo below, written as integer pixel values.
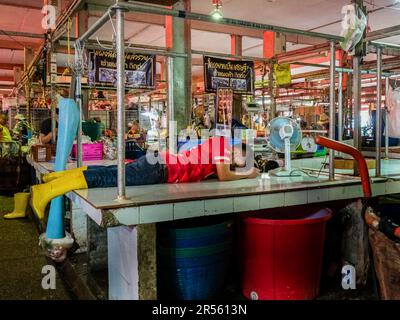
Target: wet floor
(21, 261)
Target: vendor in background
(46, 134)
(134, 130)
(324, 121)
(4, 133)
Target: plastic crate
(90, 151)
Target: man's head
(240, 154)
(3, 119)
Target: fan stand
(287, 170)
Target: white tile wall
(246, 203)
(188, 209)
(127, 216)
(272, 200)
(156, 213)
(378, 189)
(218, 206)
(317, 195)
(295, 198)
(392, 187)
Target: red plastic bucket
(282, 254)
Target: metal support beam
(357, 104)
(340, 107)
(78, 99)
(332, 109)
(378, 127)
(386, 119)
(170, 83)
(224, 21)
(120, 36)
(22, 34)
(97, 25)
(383, 33)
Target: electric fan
(285, 136)
(308, 144)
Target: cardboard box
(41, 152)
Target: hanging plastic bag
(282, 74)
(353, 27)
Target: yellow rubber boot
(43, 193)
(21, 200)
(58, 174)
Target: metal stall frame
(120, 7)
(378, 132)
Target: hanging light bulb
(217, 12)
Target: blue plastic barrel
(193, 262)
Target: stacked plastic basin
(282, 253)
(193, 261)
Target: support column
(53, 82)
(28, 58)
(178, 39)
(236, 44)
(81, 21)
(120, 44)
(236, 49)
(378, 127)
(132, 262)
(332, 109)
(273, 43)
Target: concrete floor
(21, 260)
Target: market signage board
(140, 69)
(237, 75)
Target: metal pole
(171, 104)
(357, 104)
(120, 36)
(78, 98)
(340, 107)
(97, 25)
(378, 132)
(53, 113)
(332, 109)
(386, 119)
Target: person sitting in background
(214, 157)
(46, 134)
(4, 132)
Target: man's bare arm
(224, 173)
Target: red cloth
(199, 162)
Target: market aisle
(21, 261)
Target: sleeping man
(214, 157)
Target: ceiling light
(217, 12)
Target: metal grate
(109, 117)
(38, 116)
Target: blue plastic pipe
(67, 128)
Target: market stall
(125, 100)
